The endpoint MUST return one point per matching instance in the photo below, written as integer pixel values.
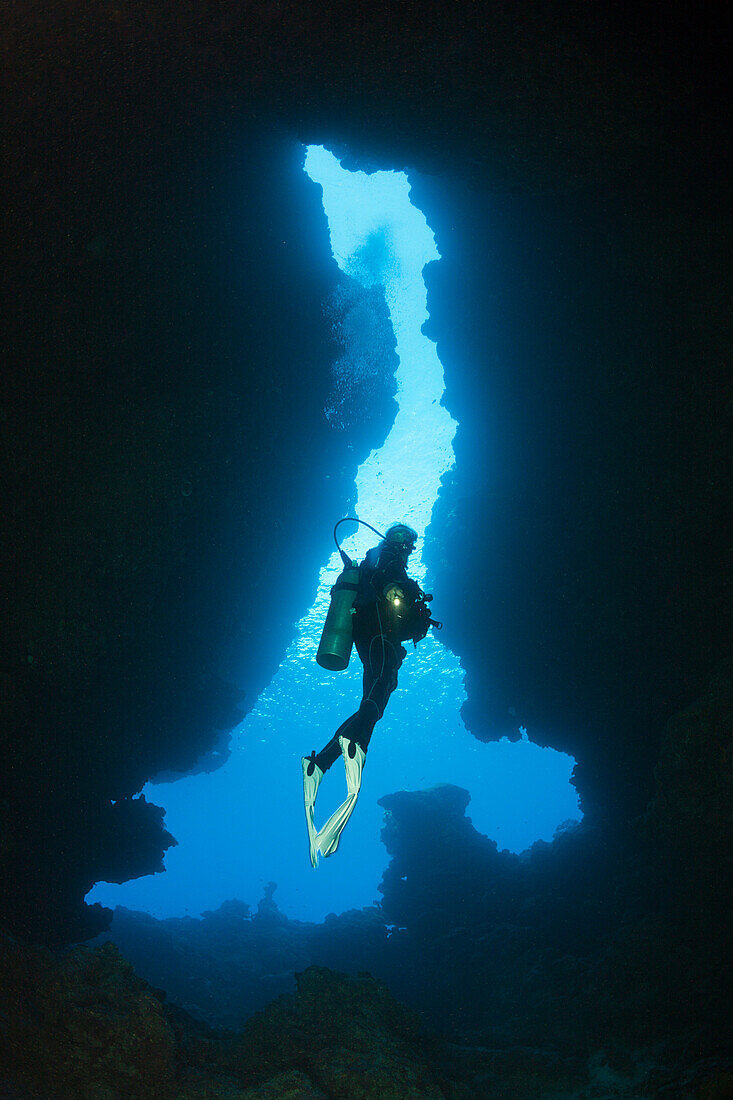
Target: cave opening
(242, 826)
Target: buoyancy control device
(337, 639)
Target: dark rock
(167, 367)
(146, 464)
(230, 963)
(349, 1034)
(81, 1026)
(690, 816)
(582, 961)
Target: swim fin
(311, 784)
(327, 839)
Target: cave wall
(173, 480)
(586, 511)
(166, 456)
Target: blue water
(244, 825)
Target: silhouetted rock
(689, 820)
(581, 962)
(81, 1025)
(171, 414)
(171, 385)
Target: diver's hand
(394, 595)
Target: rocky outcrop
(161, 448)
(80, 1025)
(349, 1035)
(690, 816)
(599, 958)
(169, 417)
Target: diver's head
(400, 539)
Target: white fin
(327, 840)
(311, 784)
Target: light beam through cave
(243, 825)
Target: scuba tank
(334, 648)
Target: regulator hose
(351, 519)
(348, 563)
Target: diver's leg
(347, 742)
(328, 755)
(381, 659)
(314, 768)
(358, 726)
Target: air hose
(351, 519)
(348, 562)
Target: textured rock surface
(168, 364)
(164, 437)
(595, 962)
(82, 1026)
(170, 417)
(349, 1035)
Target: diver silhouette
(388, 609)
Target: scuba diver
(376, 607)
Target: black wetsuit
(380, 627)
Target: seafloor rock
(602, 952)
(349, 1034)
(83, 1026)
(587, 968)
(231, 962)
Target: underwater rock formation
(81, 1025)
(168, 460)
(231, 962)
(599, 958)
(349, 1034)
(605, 923)
(594, 572)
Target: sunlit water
(244, 825)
